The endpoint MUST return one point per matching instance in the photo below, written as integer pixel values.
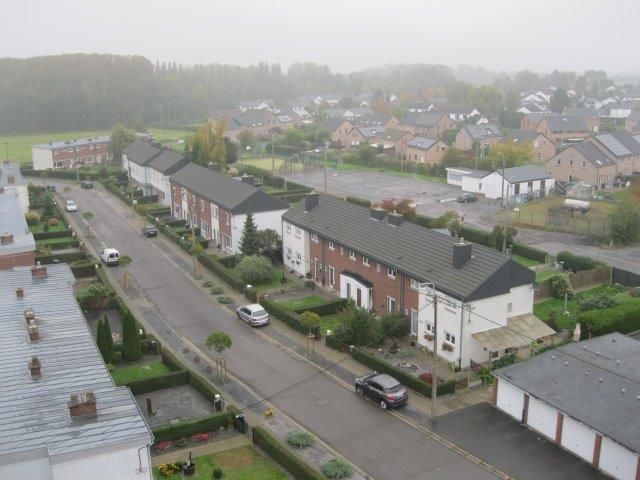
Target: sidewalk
(206, 449)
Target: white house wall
(297, 247)
(365, 299)
(36, 469)
(121, 464)
(617, 461)
(472, 184)
(42, 158)
(542, 418)
(510, 399)
(263, 220)
(578, 438)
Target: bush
(52, 222)
(558, 286)
(288, 317)
(217, 472)
(300, 439)
(426, 377)
(336, 469)
(576, 263)
(597, 302)
(212, 263)
(477, 236)
(131, 349)
(531, 253)
(623, 318)
(207, 284)
(255, 269)
(201, 425)
(94, 297)
(359, 201)
(294, 465)
(328, 308)
(310, 284)
(48, 235)
(634, 292)
(168, 380)
(216, 290)
(60, 257)
(394, 325)
(225, 300)
(32, 218)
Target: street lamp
(326, 147)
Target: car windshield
(259, 313)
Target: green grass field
(131, 373)
(527, 262)
(264, 163)
(58, 227)
(303, 302)
(242, 463)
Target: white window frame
(365, 261)
(391, 301)
(392, 272)
(288, 228)
(298, 233)
(314, 238)
(332, 275)
(415, 284)
(332, 246)
(352, 254)
(509, 307)
(449, 337)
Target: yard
(40, 227)
(243, 463)
(527, 262)
(52, 242)
(272, 284)
(303, 302)
(138, 371)
(264, 163)
(407, 173)
(19, 146)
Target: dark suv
(383, 389)
(86, 184)
(150, 231)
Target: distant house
(332, 98)
(257, 121)
(17, 246)
(562, 130)
(219, 204)
(426, 150)
(632, 123)
(70, 153)
(616, 110)
(340, 129)
(621, 147)
(518, 181)
(543, 147)
(259, 104)
(467, 178)
(583, 162)
(487, 135)
(300, 116)
(588, 114)
(432, 124)
(461, 114)
(527, 108)
(370, 135)
(397, 140)
(531, 121)
(420, 107)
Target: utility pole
(326, 147)
(504, 230)
(434, 377)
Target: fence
(585, 278)
(625, 277)
(576, 223)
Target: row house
(632, 123)
(385, 264)
(300, 116)
(17, 246)
(543, 147)
(564, 129)
(589, 115)
(620, 147)
(219, 205)
(370, 135)
(71, 153)
(426, 150)
(583, 162)
(532, 120)
(339, 128)
(486, 135)
(431, 124)
(461, 114)
(395, 141)
(257, 121)
(150, 167)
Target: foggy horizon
(500, 36)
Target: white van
(110, 256)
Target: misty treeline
(91, 91)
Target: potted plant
(428, 336)
(447, 346)
(413, 340)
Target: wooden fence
(586, 278)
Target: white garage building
(585, 397)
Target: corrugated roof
(141, 152)
(593, 154)
(34, 413)
(519, 332)
(526, 173)
(596, 381)
(422, 143)
(12, 221)
(419, 252)
(74, 142)
(235, 196)
(168, 162)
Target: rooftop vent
(250, 179)
(32, 330)
(20, 292)
(461, 253)
(39, 271)
(311, 201)
(377, 213)
(29, 314)
(394, 219)
(83, 404)
(35, 367)
(6, 239)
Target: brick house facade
(563, 130)
(426, 150)
(488, 135)
(70, 153)
(582, 162)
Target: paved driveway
(381, 444)
(496, 438)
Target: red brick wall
(383, 285)
(71, 158)
(17, 260)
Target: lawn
(39, 228)
(264, 163)
(270, 284)
(139, 371)
(303, 302)
(406, 173)
(19, 146)
(330, 322)
(55, 241)
(242, 463)
(527, 262)
(542, 275)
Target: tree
(232, 150)
(624, 223)
(247, 139)
(108, 339)
(49, 208)
(88, 216)
(559, 101)
(310, 320)
(249, 242)
(269, 242)
(220, 148)
(201, 144)
(195, 250)
(403, 207)
(121, 136)
(497, 236)
(220, 341)
(255, 269)
(365, 154)
(131, 349)
(66, 190)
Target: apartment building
(70, 153)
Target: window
(378, 267)
(288, 228)
(365, 261)
(298, 232)
(299, 256)
(352, 254)
(414, 314)
(391, 272)
(391, 304)
(429, 327)
(201, 205)
(314, 237)
(415, 284)
(289, 251)
(584, 164)
(450, 303)
(228, 218)
(509, 307)
(449, 337)
(558, 161)
(332, 246)
(479, 186)
(493, 355)
(332, 276)
(571, 163)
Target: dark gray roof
(593, 154)
(233, 195)
(477, 132)
(371, 132)
(333, 123)
(526, 173)
(537, 117)
(141, 152)
(596, 382)
(619, 144)
(417, 251)
(422, 143)
(470, 172)
(584, 112)
(565, 124)
(430, 119)
(168, 162)
(520, 136)
(34, 415)
(74, 142)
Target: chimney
(311, 201)
(250, 179)
(11, 179)
(20, 292)
(32, 330)
(377, 213)
(35, 367)
(82, 405)
(39, 271)
(6, 239)
(394, 219)
(461, 253)
(29, 314)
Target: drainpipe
(402, 292)
(461, 335)
(323, 258)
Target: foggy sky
(347, 35)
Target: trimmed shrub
(336, 469)
(300, 439)
(623, 318)
(83, 269)
(531, 253)
(332, 341)
(477, 236)
(212, 263)
(394, 325)
(225, 300)
(32, 217)
(94, 297)
(293, 464)
(363, 202)
(288, 317)
(424, 221)
(47, 235)
(168, 380)
(186, 429)
(310, 284)
(255, 269)
(216, 290)
(60, 257)
(328, 308)
(558, 286)
(576, 263)
(597, 302)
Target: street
(378, 442)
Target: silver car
(253, 314)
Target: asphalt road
(378, 442)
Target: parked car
(383, 389)
(253, 314)
(70, 206)
(50, 188)
(86, 184)
(467, 198)
(110, 256)
(149, 231)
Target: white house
(465, 177)
(62, 417)
(583, 397)
(518, 181)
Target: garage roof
(518, 333)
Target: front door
(359, 297)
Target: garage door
(617, 461)
(542, 417)
(510, 399)
(578, 439)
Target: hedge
(65, 174)
(476, 236)
(47, 235)
(576, 263)
(195, 380)
(331, 341)
(410, 381)
(288, 317)
(168, 380)
(61, 257)
(71, 243)
(201, 425)
(83, 270)
(359, 201)
(328, 308)
(294, 465)
(623, 318)
(171, 361)
(531, 253)
(212, 263)
(424, 221)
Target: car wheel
(383, 404)
(360, 391)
